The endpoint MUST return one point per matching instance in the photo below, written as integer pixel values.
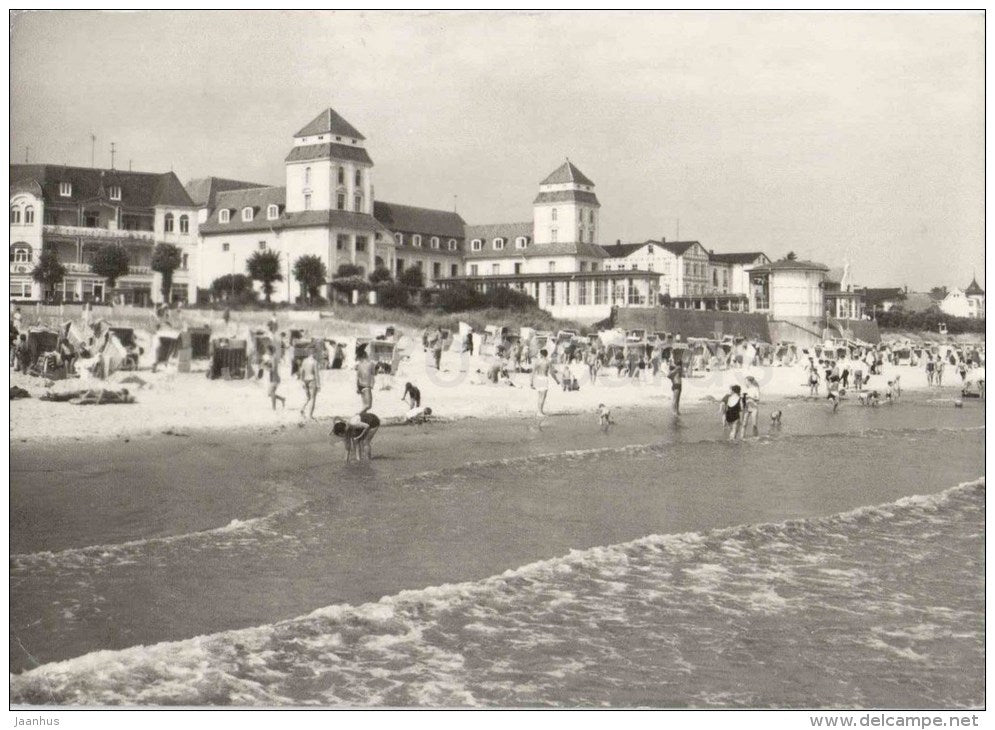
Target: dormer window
(476, 244)
(452, 244)
(521, 242)
(115, 192)
(272, 212)
(435, 241)
(65, 189)
(247, 214)
(416, 241)
(399, 237)
(224, 215)
(498, 244)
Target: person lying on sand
(418, 414)
(103, 396)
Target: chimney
(663, 239)
(618, 241)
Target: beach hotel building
(554, 258)
(74, 211)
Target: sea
(835, 562)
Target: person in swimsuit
(308, 373)
(365, 375)
(412, 392)
(357, 433)
(676, 375)
(732, 407)
(272, 364)
(539, 380)
(418, 415)
(751, 405)
(813, 379)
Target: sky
(827, 134)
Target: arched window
(554, 214)
(15, 214)
(247, 214)
(20, 253)
(272, 212)
(184, 224)
(358, 204)
(168, 223)
(498, 244)
(341, 176)
(29, 214)
(307, 175)
(476, 244)
(416, 241)
(359, 178)
(521, 242)
(452, 244)
(399, 237)
(435, 241)
(224, 215)
(553, 234)
(307, 201)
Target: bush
(233, 289)
(460, 298)
(412, 277)
(393, 296)
(504, 297)
(928, 321)
(345, 270)
(380, 275)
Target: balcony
(74, 268)
(106, 233)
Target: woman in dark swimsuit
(357, 434)
(732, 407)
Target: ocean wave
(524, 636)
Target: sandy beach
(187, 402)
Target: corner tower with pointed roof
(328, 167)
(566, 209)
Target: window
(590, 215)
(29, 214)
(476, 244)
(223, 216)
(454, 270)
(416, 240)
(580, 215)
(452, 244)
(520, 242)
(552, 267)
(399, 237)
(115, 192)
(435, 242)
(15, 215)
(359, 178)
(498, 244)
(436, 270)
(307, 201)
(359, 204)
(715, 277)
(272, 212)
(184, 224)
(582, 292)
(225, 247)
(340, 201)
(307, 175)
(518, 268)
(473, 269)
(185, 261)
(168, 223)
(552, 235)
(360, 243)
(20, 253)
(495, 269)
(400, 265)
(65, 189)
(551, 293)
(583, 266)
(594, 266)
(553, 215)
(247, 214)
(566, 292)
(262, 245)
(341, 242)
(341, 174)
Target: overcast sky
(809, 132)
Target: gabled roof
(328, 150)
(621, 250)
(881, 295)
(736, 258)
(974, 289)
(566, 173)
(138, 189)
(678, 248)
(204, 190)
(559, 196)
(329, 122)
(410, 219)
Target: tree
(380, 275)
(792, 256)
(345, 270)
(264, 267)
(238, 286)
(166, 258)
(111, 262)
(310, 272)
(49, 272)
(412, 277)
(939, 293)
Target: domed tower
(328, 167)
(566, 209)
